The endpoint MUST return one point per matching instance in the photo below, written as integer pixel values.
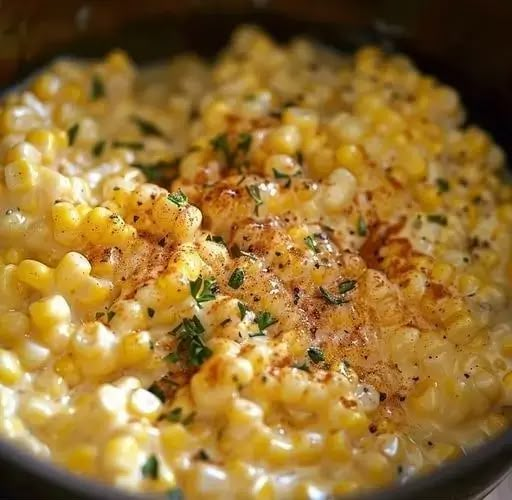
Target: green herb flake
(151, 312)
(110, 315)
(281, 175)
(311, 243)
(174, 415)
(442, 185)
(244, 142)
(159, 170)
(243, 310)
(72, 133)
(179, 198)
(191, 346)
(237, 278)
(362, 228)
(150, 468)
(264, 320)
(254, 192)
(437, 219)
(175, 494)
(189, 418)
(301, 366)
(316, 355)
(155, 389)
(347, 285)
(220, 143)
(172, 357)
(134, 145)
(98, 148)
(97, 88)
(146, 127)
(331, 298)
(203, 290)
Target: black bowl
(465, 43)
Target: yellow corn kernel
(428, 197)
(378, 468)
(68, 370)
(10, 368)
(174, 438)
(442, 272)
(66, 222)
(175, 287)
(135, 348)
(36, 410)
(284, 140)
(82, 459)
(45, 142)
(72, 92)
(36, 275)
(71, 272)
(23, 151)
(506, 345)
(350, 157)
(93, 291)
(46, 86)
(14, 326)
(411, 162)
(20, 175)
(31, 354)
(444, 451)
(118, 60)
(304, 119)
(14, 255)
(263, 489)
(337, 446)
(49, 311)
(468, 284)
(144, 404)
(344, 487)
(121, 454)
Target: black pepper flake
(382, 396)
(372, 428)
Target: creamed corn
(283, 275)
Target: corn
(143, 403)
(120, 455)
(14, 325)
(135, 348)
(46, 143)
(23, 151)
(82, 459)
(20, 176)
(10, 369)
(36, 275)
(49, 312)
(284, 140)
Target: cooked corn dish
(282, 275)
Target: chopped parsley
(442, 185)
(72, 133)
(237, 278)
(179, 198)
(190, 341)
(316, 355)
(301, 366)
(146, 127)
(97, 88)
(243, 310)
(174, 415)
(155, 389)
(151, 312)
(110, 315)
(189, 418)
(437, 219)
(203, 290)
(311, 243)
(346, 286)
(172, 357)
(264, 320)
(331, 298)
(254, 192)
(159, 170)
(175, 494)
(220, 143)
(98, 148)
(136, 146)
(362, 228)
(244, 142)
(150, 468)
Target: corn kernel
(36, 275)
(20, 175)
(10, 368)
(121, 454)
